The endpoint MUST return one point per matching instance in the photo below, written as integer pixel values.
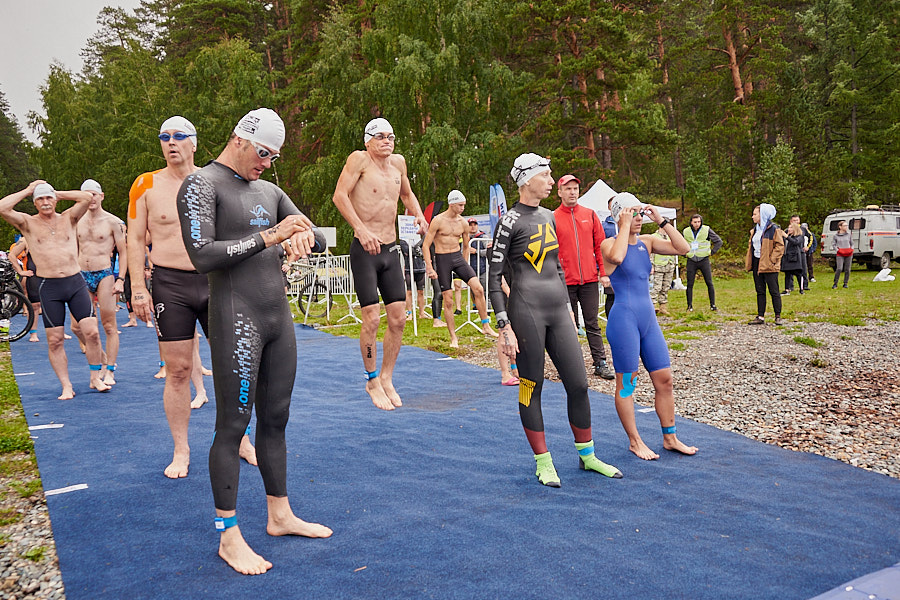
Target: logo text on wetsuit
(526, 389)
(241, 247)
(545, 241)
(261, 215)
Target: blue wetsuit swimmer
(633, 331)
(537, 317)
(230, 222)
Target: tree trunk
(733, 65)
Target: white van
(875, 231)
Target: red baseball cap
(566, 179)
(473, 220)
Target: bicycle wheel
(11, 303)
(316, 298)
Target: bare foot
(423, 316)
(642, 451)
(149, 323)
(247, 451)
(454, 342)
(99, 385)
(199, 400)
(179, 466)
(130, 323)
(294, 525)
(239, 556)
(67, 393)
(376, 392)
(66, 336)
(675, 445)
(486, 328)
(109, 378)
(204, 371)
(438, 323)
(391, 393)
(161, 374)
(33, 338)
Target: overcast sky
(35, 32)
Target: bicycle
(308, 281)
(12, 301)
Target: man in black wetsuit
(539, 317)
(228, 223)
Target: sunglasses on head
(178, 135)
(265, 152)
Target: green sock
(588, 461)
(546, 472)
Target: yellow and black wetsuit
(525, 245)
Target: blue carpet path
(438, 499)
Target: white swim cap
(43, 189)
(620, 202)
(455, 197)
(527, 166)
(179, 123)
(90, 185)
(262, 126)
(374, 126)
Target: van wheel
(886, 260)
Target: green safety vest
(704, 248)
(662, 260)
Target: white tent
(597, 199)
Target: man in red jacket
(580, 233)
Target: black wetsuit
(251, 333)
(525, 244)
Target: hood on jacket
(767, 212)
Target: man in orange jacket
(580, 233)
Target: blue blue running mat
(438, 499)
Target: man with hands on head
(53, 245)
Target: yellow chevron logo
(545, 241)
(526, 388)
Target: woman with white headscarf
(763, 259)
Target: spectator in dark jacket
(764, 260)
(792, 261)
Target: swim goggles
(264, 152)
(178, 135)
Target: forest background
(701, 105)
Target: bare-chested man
(53, 246)
(98, 233)
(180, 294)
(366, 194)
(445, 233)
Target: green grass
(14, 435)
(808, 341)
(35, 554)
(677, 346)
(26, 489)
(8, 517)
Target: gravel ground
(839, 399)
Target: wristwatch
(501, 323)
(664, 222)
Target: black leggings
(538, 327)
(762, 281)
(253, 352)
(704, 268)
